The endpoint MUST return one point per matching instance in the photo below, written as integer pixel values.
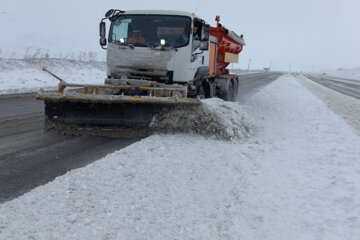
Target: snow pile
(164, 187)
(297, 178)
(19, 75)
(345, 106)
(225, 120)
(350, 73)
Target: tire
(236, 89)
(227, 88)
(223, 88)
(231, 90)
(201, 93)
(202, 73)
(209, 88)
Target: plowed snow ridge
(225, 120)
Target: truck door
(199, 57)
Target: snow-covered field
(349, 73)
(244, 72)
(21, 75)
(296, 176)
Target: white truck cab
(155, 45)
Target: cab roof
(162, 12)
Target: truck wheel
(227, 88)
(201, 93)
(227, 93)
(231, 90)
(236, 89)
(203, 72)
(224, 85)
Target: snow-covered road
(295, 177)
(345, 86)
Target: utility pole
(249, 64)
(270, 65)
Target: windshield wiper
(140, 44)
(158, 46)
(132, 45)
(153, 44)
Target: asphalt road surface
(251, 83)
(30, 156)
(345, 86)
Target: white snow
(214, 117)
(347, 107)
(25, 75)
(245, 72)
(347, 73)
(296, 177)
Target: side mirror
(205, 32)
(108, 13)
(102, 29)
(204, 46)
(102, 32)
(102, 41)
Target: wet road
(345, 86)
(30, 156)
(252, 83)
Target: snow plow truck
(155, 60)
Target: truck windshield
(148, 30)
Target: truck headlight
(162, 42)
(122, 40)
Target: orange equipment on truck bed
(225, 45)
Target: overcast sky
(306, 34)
